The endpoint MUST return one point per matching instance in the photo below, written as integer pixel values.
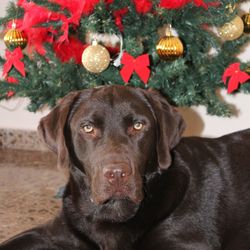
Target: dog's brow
(77, 103)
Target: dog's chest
(110, 237)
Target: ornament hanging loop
(117, 61)
(168, 31)
(231, 8)
(13, 26)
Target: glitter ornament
(95, 58)
(232, 30)
(169, 47)
(15, 38)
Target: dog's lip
(117, 197)
(114, 199)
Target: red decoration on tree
(143, 6)
(138, 65)
(88, 6)
(33, 16)
(71, 49)
(13, 59)
(78, 7)
(201, 3)
(177, 4)
(11, 79)
(236, 77)
(118, 14)
(65, 28)
(10, 93)
(172, 4)
(108, 1)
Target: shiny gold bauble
(110, 41)
(169, 48)
(15, 38)
(246, 21)
(95, 58)
(232, 30)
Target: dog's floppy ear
(51, 128)
(170, 126)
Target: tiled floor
(29, 181)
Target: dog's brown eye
(138, 126)
(88, 128)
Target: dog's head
(115, 136)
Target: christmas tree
(187, 65)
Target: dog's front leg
(30, 240)
(35, 240)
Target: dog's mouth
(116, 209)
(107, 198)
(115, 206)
(115, 199)
(112, 200)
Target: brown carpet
(29, 181)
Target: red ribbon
(139, 65)
(236, 77)
(14, 59)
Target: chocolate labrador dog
(135, 184)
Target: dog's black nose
(117, 174)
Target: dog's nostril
(115, 174)
(119, 174)
(111, 175)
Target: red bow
(139, 65)
(13, 59)
(236, 77)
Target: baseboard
(21, 139)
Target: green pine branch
(190, 80)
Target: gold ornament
(108, 40)
(15, 38)
(169, 47)
(232, 30)
(95, 58)
(246, 21)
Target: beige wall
(14, 115)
